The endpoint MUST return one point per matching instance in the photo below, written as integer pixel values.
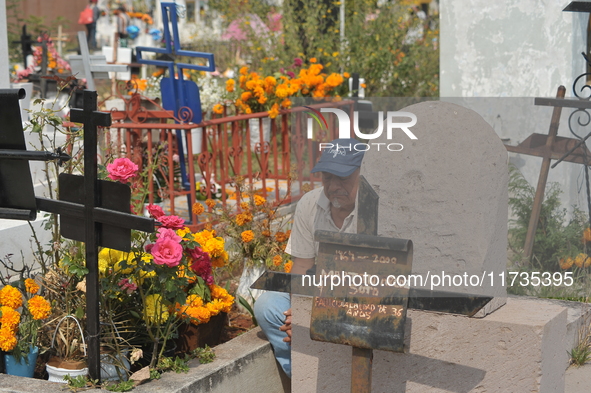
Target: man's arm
(300, 266)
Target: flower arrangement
(258, 93)
(55, 64)
(258, 233)
(19, 329)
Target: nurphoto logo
(392, 123)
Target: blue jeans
(268, 310)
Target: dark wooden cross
(91, 210)
(550, 147)
(26, 43)
(374, 316)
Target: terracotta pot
(197, 336)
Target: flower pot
(114, 367)
(197, 336)
(25, 366)
(57, 369)
(248, 277)
(255, 134)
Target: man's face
(341, 191)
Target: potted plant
(22, 312)
(70, 353)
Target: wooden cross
(92, 67)
(92, 208)
(550, 147)
(61, 38)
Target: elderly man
(331, 207)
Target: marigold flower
(277, 260)
(230, 84)
(566, 263)
(198, 315)
(7, 339)
(286, 103)
(210, 203)
(580, 259)
(203, 236)
(363, 85)
(313, 60)
(243, 70)
(11, 297)
(259, 200)
(9, 318)
(587, 262)
(274, 111)
(198, 208)
(346, 74)
(247, 236)
(587, 235)
(155, 311)
(288, 266)
(243, 218)
(218, 109)
(31, 286)
(214, 246)
(266, 233)
(281, 237)
(39, 307)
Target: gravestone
(447, 191)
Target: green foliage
(124, 386)
(248, 308)
(205, 355)
(176, 364)
(155, 374)
(81, 382)
(580, 355)
(555, 236)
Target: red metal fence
(227, 153)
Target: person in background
(91, 27)
(122, 23)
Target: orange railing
(227, 152)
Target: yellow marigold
(220, 260)
(39, 307)
(183, 231)
(218, 109)
(244, 70)
(247, 236)
(580, 259)
(587, 262)
(210, 203)
(9, 318)
(215, 307)
(244, 206)
(7, 339)
(198, 208)
(243, 218)
(230, 84)
(566, 263)
(277, 260)
(274, 111)
(288, 266)
(587, 235)
(11, 297)
(214, 247)
(31, 286)
(259, 200)
(247, 110)
(111, 256)
(155, 311)
(129, 261)
(313, 60)
(203, 236)
(281, 237)
(198, 315)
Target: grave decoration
(88, 211)
(374, 319)
(178, 94)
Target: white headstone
(4, 58)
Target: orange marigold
(244, 206)
(7, 339)
(243, 218)
(244, 70)
(277, 260)
(11, 297)
(274, 111)
(313, 60)
(259, 200)
(288, 266)
(580, 259)
(281, 237)
(198, 315)
(218, 109)
(230, 84)
(31, 286)
(566, 263)
(39, 307)
(198, 208)
(210, 203)
(266, 233)
(587, 235)
(9, 318)
(247, 236)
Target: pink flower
(167, 252)
(201, 264)
(127, 286)
(166, 233)
(297, 62)
(155, 211)
(122, 169)
(172, 222)
(290, 74)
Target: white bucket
(57, 374)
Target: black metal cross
(25, 42)
(92, 210)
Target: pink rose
(201, 264)
(155, 211)
(167, 252)
(127, 286)
(122, 169)
(166, 233)
(172, 222)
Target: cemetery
(168, 167)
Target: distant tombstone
(448, 191)
(123, 57)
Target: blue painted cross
(178, 95)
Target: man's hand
(287, 326)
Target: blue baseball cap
(339, 157)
